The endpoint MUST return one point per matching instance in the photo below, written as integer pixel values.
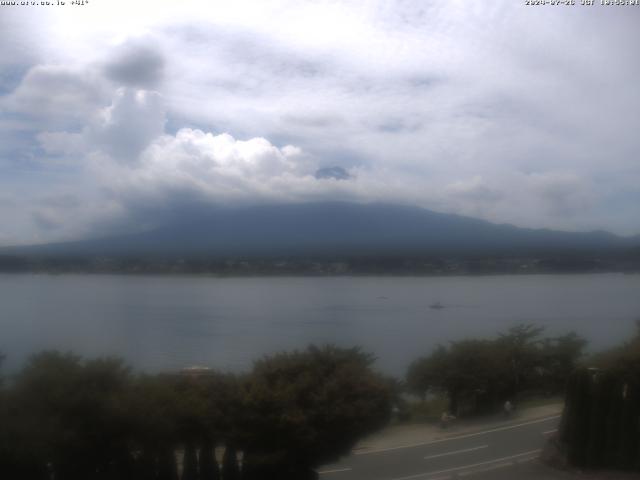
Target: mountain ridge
(332, 229)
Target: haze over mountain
(330, 229)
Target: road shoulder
(409, 435)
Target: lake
(168, 322)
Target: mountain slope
(329, 229)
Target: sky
(118, 116)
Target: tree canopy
(308, 408)
(478, 375)
(95, 419)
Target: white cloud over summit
(130, 111)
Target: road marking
(548, 432)
(473, 465)
(458, 437)
(456, 452)
(497, 466)
(337, 470)
(525, 460)
(491, 468)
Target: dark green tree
(480, 375)
(520, 344)
(230, 468)
(71, 415)
(599, 425)
(152, 407)
(559, 357)
(304, 409)
(473, 373)
(190, 463)
(208, 466)
(2, 359)
(428, 373)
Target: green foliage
(625, 358)
(70, 418)
(2, 358)
(429, 409)
(69, 414)
(307, 408)
(479, 375)
(208, 466)
(520, 347)
(600, 423)
(230, 468)
(190, 463)
(152, 403)
(558, 359)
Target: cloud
(206, 167)
(563, 194)
(459, 108)
(120, 130)
(57, 95)
(475, 196)
(46, 219)
(129, 124)
(62, 143)
(337, 173)
(136, 65)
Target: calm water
(170, 322)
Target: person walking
(445, 420)
(508, 409)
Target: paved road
(501, 451)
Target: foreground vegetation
(600, 428)
(601, 423)
(479, 376)
(67, 418)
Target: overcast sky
(118, 115)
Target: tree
(2, 359)
(230, 468)
(602, 405)
(428, 373)
(152, 406)
(208, 466)
(473, 373)
(521, 346)
(560, 357)
(624, 357)
(190, 463)
(69, 416)
(304, 409)
(479, 375)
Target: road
(500, 451)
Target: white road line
(458, 437)
(526, 460)
(464, 467)
(548, 432)
(337, 470)
(491, 468)
(428, 457)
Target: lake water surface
(168, 322)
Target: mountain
(333, 229)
